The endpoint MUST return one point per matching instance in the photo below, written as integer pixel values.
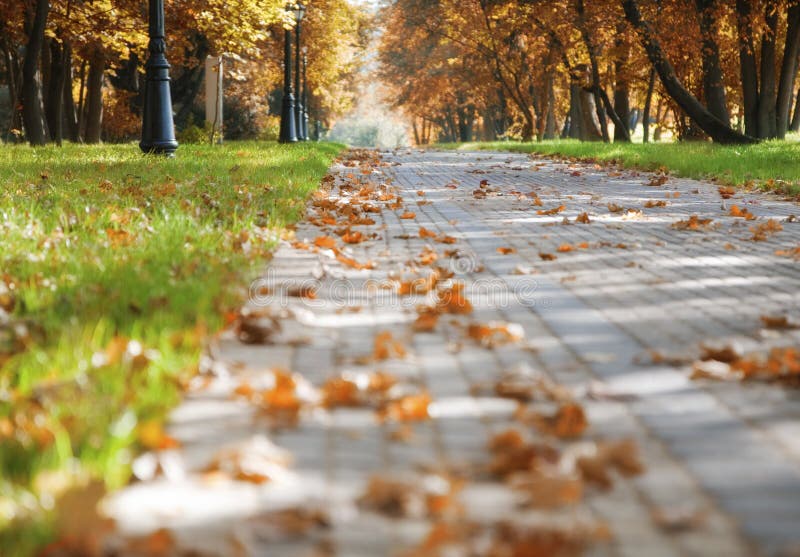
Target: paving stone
(728, 451)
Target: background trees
(724, 69)
(73, 68)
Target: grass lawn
(114, 268)
(772, 165)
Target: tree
(32, 101)
(713, 126)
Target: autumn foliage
(465, 70)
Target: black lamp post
(305, 94)
(299, 13)
(158, 128)
(288, 133)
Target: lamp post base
(288, 129)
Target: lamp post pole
(288, 132)
(298, 108)
(305, 95)
(158, 127)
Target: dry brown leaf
(764, 230)
(426, 321)
(693, 223)
(353, 237)
(341, 391)
(79, 526)
(569, 421)
(741, 213)
(506, 250)
(325, 242)
(409, 408)
(386, 346)
(452, 300)
(495, 333)
(778, 322)
(551, 212)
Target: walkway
(593, 292)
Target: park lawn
(114, 269)
(773, 165)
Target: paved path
(723, 454)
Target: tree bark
(94, 97)
(70, 111)
(550, 124)
(595, 71)
(32, 102)
(710, 124)
(713, 82)
(648, 105)
(622, 105)
(788, 71)
(766, 96)
(13, 71)
(748, 66)
(54, 102)
(796, 118)
(575, 112)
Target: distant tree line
(486, 69)
(74, 69)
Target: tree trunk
(13, 72)
(595, 72)
(788, 71)
(622, 105)
(648, 105)
(32, 103)
(550, 124)
(766, 98)
(94, 97)
(713, 82)
(575, 112)
(70, 111)
(710, 124)
(54, 102)
(590, 127)
(748, 66)
(796, 117)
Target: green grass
(100, 246)
(772, 165)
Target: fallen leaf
(408, 408)
(452, 300)
(551, 212)
(693, 223)
(567, 422)
(325, 242)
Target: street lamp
(158, 128)
(305, 94)
(299, 13)
(288, 133)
